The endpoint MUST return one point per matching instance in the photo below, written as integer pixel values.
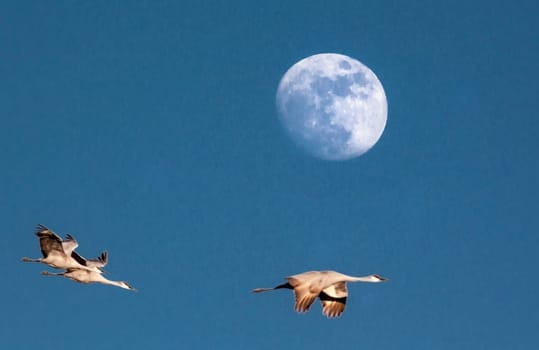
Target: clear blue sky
(149, 129)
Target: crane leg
(25, 259)
(47, 273)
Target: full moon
(333, 106)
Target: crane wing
(48, 241)
(69, 244)
(337, 290)
(331, 306)
(100, 261)
(304, 298)
(303, 290)
(333, 299)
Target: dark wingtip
(40, 228)
(69, 237)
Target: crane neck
(360, 279)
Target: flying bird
(329, 286)
(61, 254)
(86, 276)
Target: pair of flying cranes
(328, 286)
(60, 254)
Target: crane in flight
(86, 276)
(328, 286)
(60, 254)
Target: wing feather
(304, 299)
(48, 241)
(331, 306)
(333, 299)
(100, 261)
(69, 244)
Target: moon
(332, 106)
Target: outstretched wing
(69, 244)
(304, 298)
(303, 290)
(98, 262)
(333, 299)
(48, 241)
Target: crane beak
(382, 279)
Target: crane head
(378, 278)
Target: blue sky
(149, 129)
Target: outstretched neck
(360, 279)
(120, 284)
(100, 278)
(370, 278)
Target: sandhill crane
(86, 276)
(329, 286)
(61, 254)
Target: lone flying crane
(329, 286)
